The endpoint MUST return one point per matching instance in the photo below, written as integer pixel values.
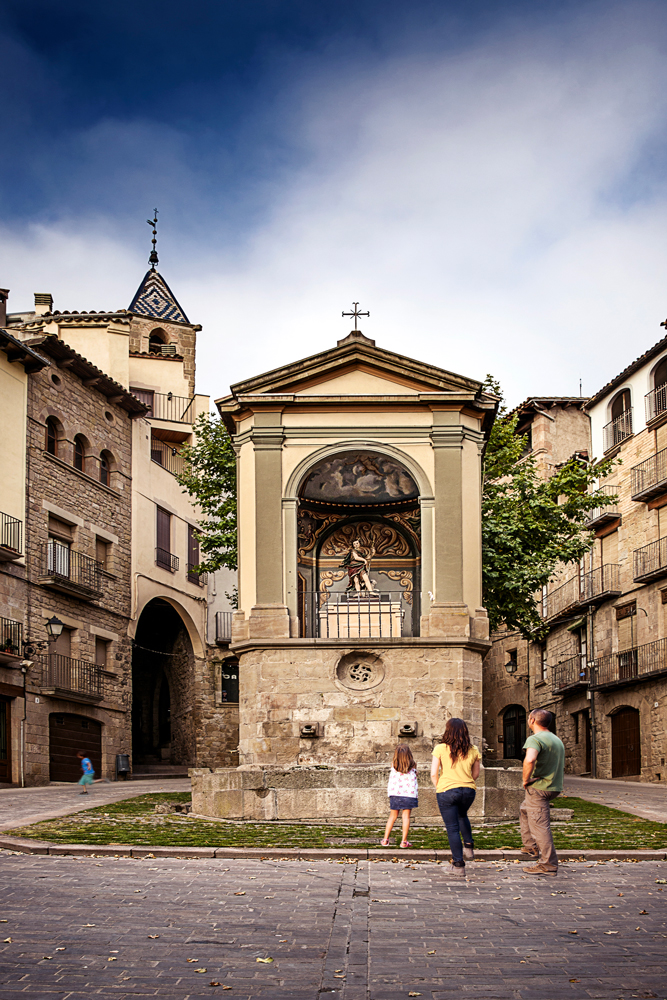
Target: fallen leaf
(226, 987)
(637, 928)
(523, 962)
(413, 994)
(47, 957)
(87, 925)
(7, 941)
(214, 982)
(251, 877)
(642, 912)
(192, 960)
(283, 941)
(339, 977)
(138, 890)
(611, 932)
(239, 893)
(573, 932)
(112, 958)
(575, 980)
(620, 894)
(265, 960)
(61, 949)
(661, 881)
(516, 897)
(153, 937)
(3, 921)
(269, 897)
(430, 953)
(202, 971)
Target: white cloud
(497, 210)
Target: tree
(209, 476)
(529, 525)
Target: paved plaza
(168, 928)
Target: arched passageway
(162, 682)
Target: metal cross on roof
(355, 314)
(153, 259)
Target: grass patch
(135, 822)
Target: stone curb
(27, 846)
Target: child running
(402, 792)
(88, 776)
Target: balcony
(70, 572)
(618, 430)
(11, 538)
(77, 680)
(166, 559)
(570, 674)
(11, 640)
(656, 403)
(166, 406)
(600, 516)
(583, 589)
(223, 626)
(387, 615)
(168, 456)
(649, 478)
(194, 577)
(650, 562)
(630, 665)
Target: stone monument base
(355, 793)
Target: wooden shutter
(163, 529)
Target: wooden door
(67, 735)
(625, 743)
(514, 732)
(589, 741)
(5, 740)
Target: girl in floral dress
(402, 792)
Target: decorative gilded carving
(311, 524)
(327, 579)
(375, 537)
(404, 578)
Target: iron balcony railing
(650, 561)
(570, 673)
(629, 665)
(11, 636)
(649, 478)
(166, 406)
(356, 616)
(582, 589)
(602, 515)
(223, 626)
(11, 534)
(618, 430)
(166, 559)
(195, 577)
(166, 455)
(64, 673)
(62, 562)
(656, 402)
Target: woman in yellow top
(454, 770)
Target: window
(229, 676)
(621, 404)
(51, 436)
(63, 644)
(101, 652)
(620, 423)
(660, 374)
(163, 556)
(193, 556)
(106, 464)
(583, 652)
(144, 396)
(102, 552)
(543, 662)
(512, 661)
(79, 453)
(155, 341)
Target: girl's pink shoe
(405, 843)
(384, 843)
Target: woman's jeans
(453, 805)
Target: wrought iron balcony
(11, 538)
(166, 406)
(656, 402)
(223, 626)
(630, 665)
(78, 678)
(618, 430)
(168, 456)
(166, 559)
(194, 577)
(650, 561)
(11, 639)
(572, 673)
(581, 590)
(390, 615)
(604, 515)
(70, 572)
(649, 478)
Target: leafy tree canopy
(529, 524)
(209, 477)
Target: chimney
(43, 303)
(4, 295)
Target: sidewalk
(19, 806)
(638, 798)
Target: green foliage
(210, 479)
(529, 524)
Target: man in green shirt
(543, 781)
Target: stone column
(447, 441)
(267, 436)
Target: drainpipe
(591, 673)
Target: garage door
(67, 735)
(625, 743)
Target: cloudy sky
(486, 176)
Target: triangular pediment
(155, 299)
(356, 368)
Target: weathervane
(355, 314)
(153, 259)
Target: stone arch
(304, 468)
(81, 452)
(156, 338)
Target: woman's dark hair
(403, 759)
(457, 738)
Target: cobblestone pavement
(639, 798)
(106, 927)
(19, 806)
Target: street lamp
(54, 627)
